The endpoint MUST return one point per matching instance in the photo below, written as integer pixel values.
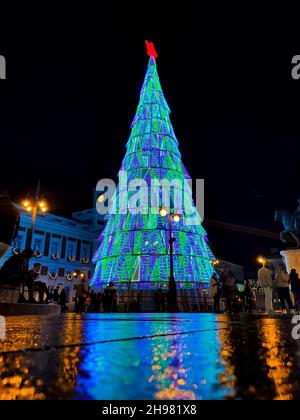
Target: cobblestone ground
(149, 356)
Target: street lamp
(215, 262)
(172, 294)
(33, 206)
(261, 260)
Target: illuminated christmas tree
(135, 247)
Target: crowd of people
(279, 286)
(15, 272)
(87, 300)
(225, 287)
(287, 287)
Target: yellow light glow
(44, 209)
(74, 274)
(42, 204)
(176, 218)
(101, 198)
(28, 208)
(26, 203)
(163, 212)
(261, 260)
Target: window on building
(70, 250)
(37, 245)
(55, 247)
(85, 251)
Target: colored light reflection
(148, 356)
(38, 373)
(279, 363)
(180, 366)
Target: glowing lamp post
(33, 206)
(261, 260)
(172, 294)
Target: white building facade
(64, 247)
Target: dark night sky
(74, 78)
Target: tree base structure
(194, 299)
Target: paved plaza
(149, 356)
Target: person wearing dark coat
(14, 270)
(42, 291)
(229, 291)
(9, 223)
(55, 297)
(63, 301)
(32, 276)
(249, 297)
(110, 298)
(223, 276)
(295, 287)
(281, 283)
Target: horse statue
(291, 224)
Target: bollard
(2, 328)
(2, 67)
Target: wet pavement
(149, 356)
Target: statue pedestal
(292, 259)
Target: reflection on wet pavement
(149, 356)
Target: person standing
(82, 294)
(63, 301)
(230, 291)
(249, 297)
(295, 287)
(223, 276)
(110, 300)
(215, 291)
(56, 295)
(266, 282)
(42, 291)
(281, 283)
(14, 272)
(99, 302)
(115, 301)
(32, 276)
(228, 285)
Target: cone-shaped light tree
(135, 245)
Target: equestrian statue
(291, 224)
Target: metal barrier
(189, 300)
